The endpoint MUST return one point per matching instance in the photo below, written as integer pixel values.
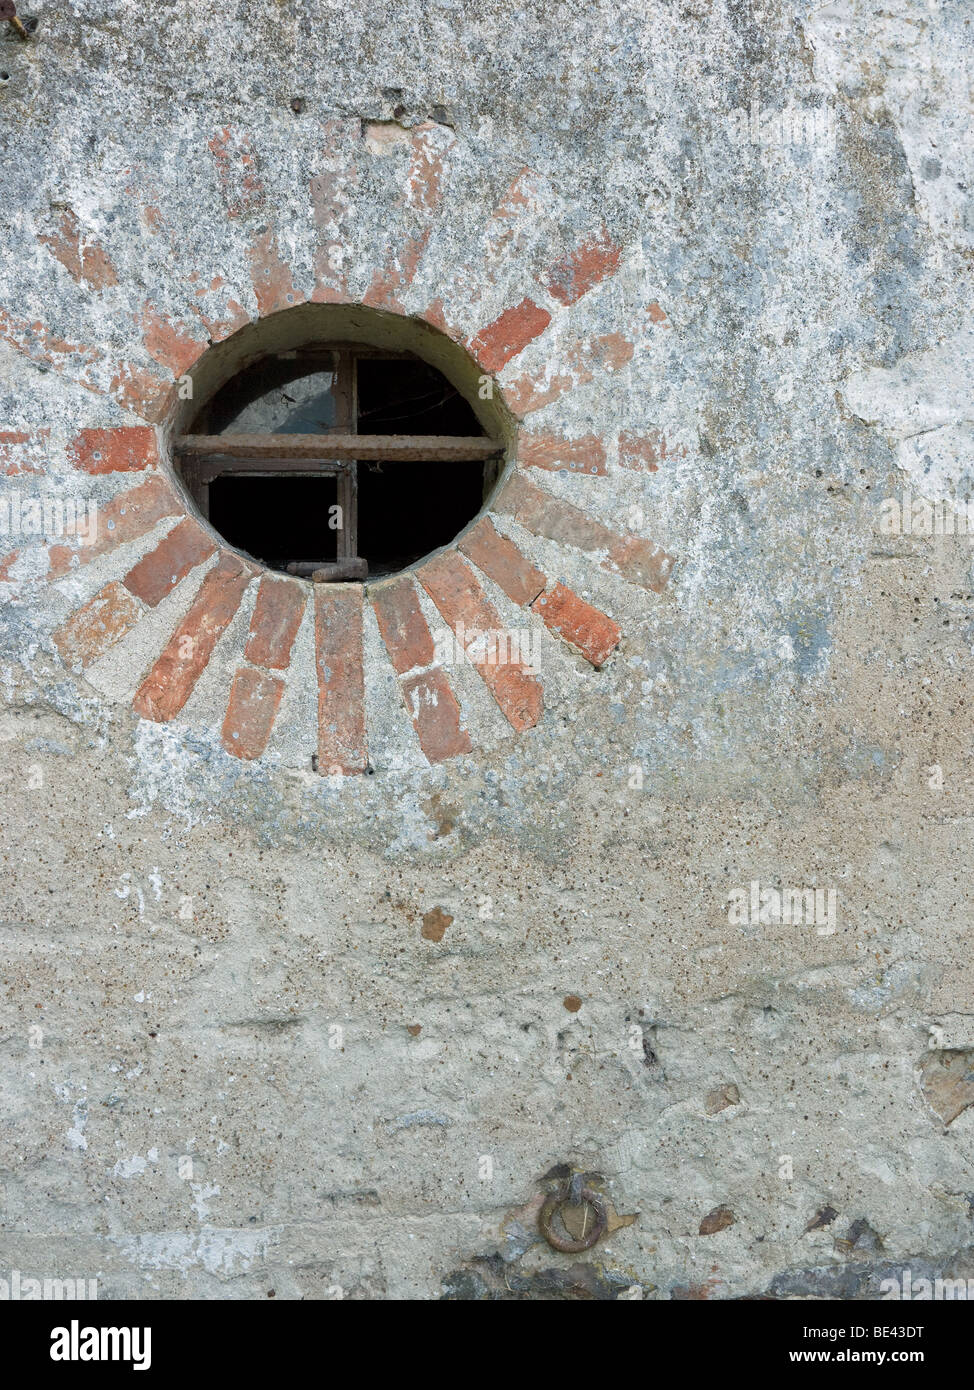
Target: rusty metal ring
(554, 1203)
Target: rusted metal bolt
(573, 1194)
(8, 11)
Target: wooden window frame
(205, 457)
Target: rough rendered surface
(265, 1027)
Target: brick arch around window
(161, 547)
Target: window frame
(205, 457)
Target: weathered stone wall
(267, 1029)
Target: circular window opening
(347, 456)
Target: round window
(343, 458)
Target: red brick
(435, 713)
(171, 345)
(453, 587)
(544, 515)
(646, 451)
(656, 314)
(273, 285)
(342, 743)
(123, 519)
(255, 698)
(402, 625)
(533, 390)
(157, 574)
(128, 449)
(173, 678)
(583, 627)
(102, 622)
(85, 260)
(637, 560)
(509, 334)
(552, 452)
(277, 616)
(501, 561)
(641, 562)
(585, 268)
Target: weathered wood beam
(385, 448)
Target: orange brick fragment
(157, 574)
(255, 698)
(102, 622)
(435, 713)
(454, 589)
(583, 627)
(402, 625)
(552, 452)
(128, 449)
(173, 678)
(500, 559)
(585, 268)
(509, 334)
(277, 616)
(342, 744)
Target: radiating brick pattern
(173, 328)
(582, 626)
(342, 743)
(636, 559)
(453, 587)
(182, 549)
(500, 559)
(173, 677)
(255, 697)
(98, 625)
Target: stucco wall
(235, 1058)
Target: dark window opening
(277, 520)
(407, 396)
(397, 454)
(405, 510)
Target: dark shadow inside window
(276, 520)
(407, 396)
